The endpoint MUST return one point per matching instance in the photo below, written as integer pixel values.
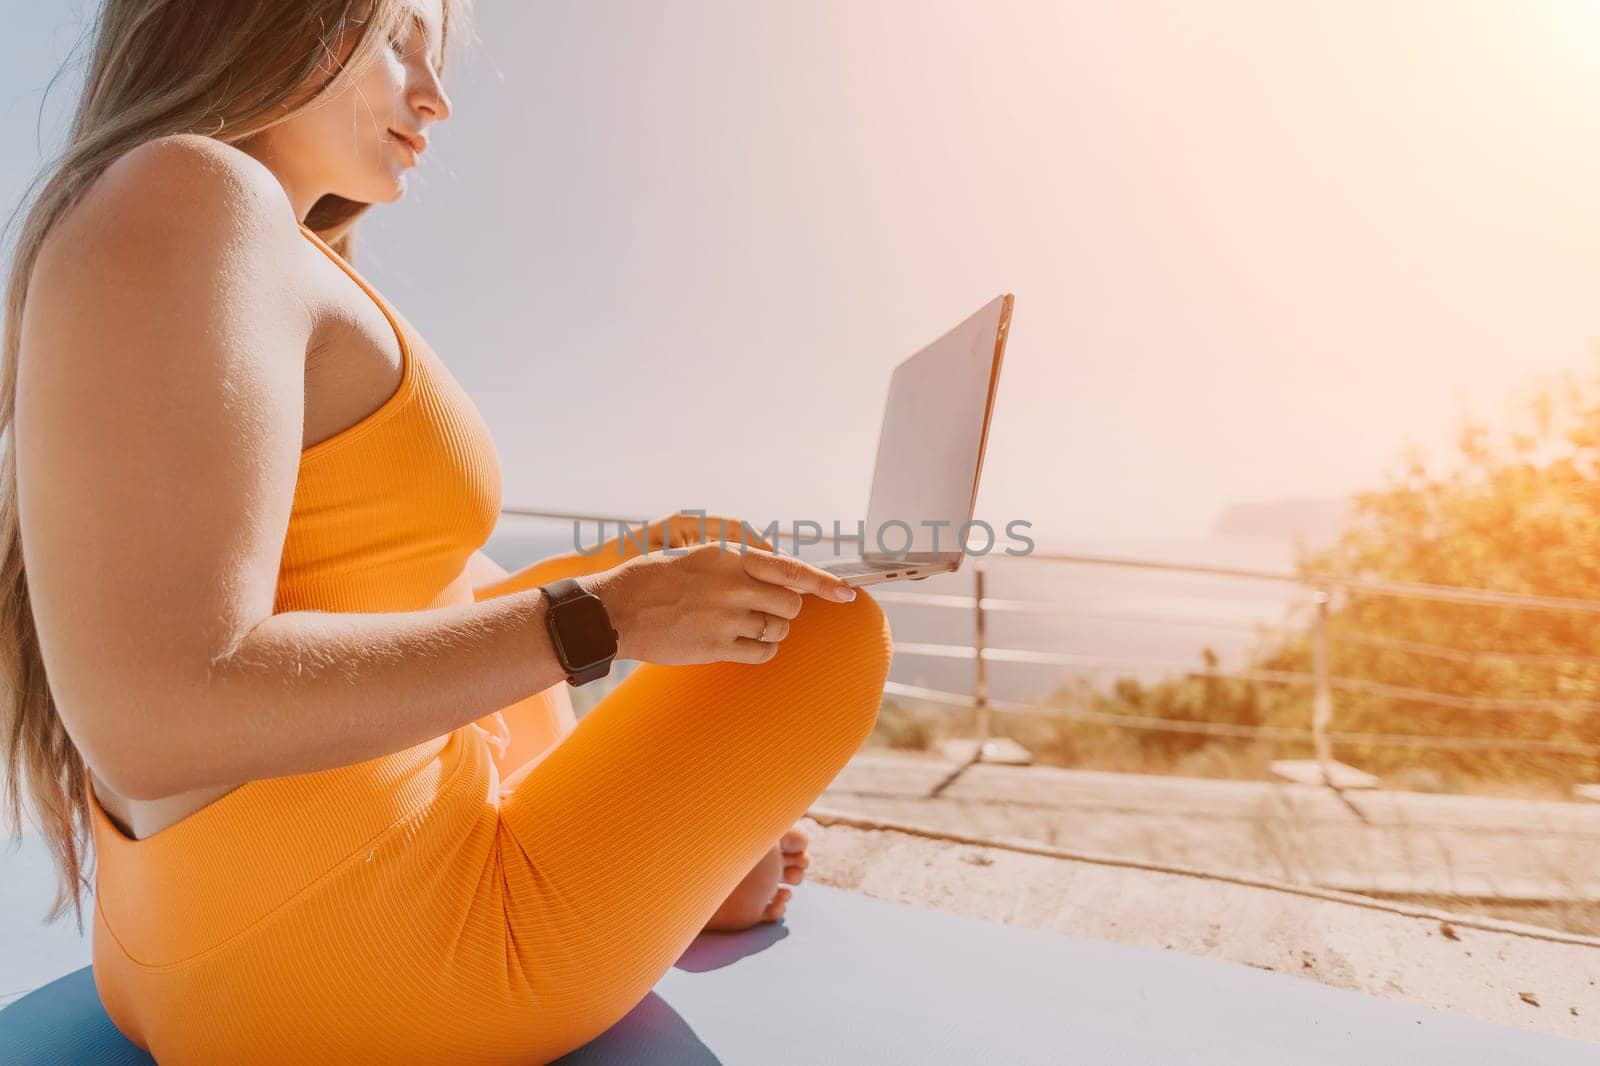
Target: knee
(854, 633)
(870, 643)
(866, 632)
(851, 646)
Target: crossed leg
(619, 844)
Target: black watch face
(585, 632)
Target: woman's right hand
(710, 603)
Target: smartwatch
(581, 631)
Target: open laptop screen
(932, 439)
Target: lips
(415, 143)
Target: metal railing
(1319, 733)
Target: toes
(794, 874)
(774, 910)
(795, 839)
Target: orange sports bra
(386, 514)
(387, 511)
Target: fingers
(683, 530)
(745, 650)
(737, 532)
(759, 625)
(792, 573)
(711, 603)
(771, 599)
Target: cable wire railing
(1322, 683)
(1226, 729)
(1281, 677)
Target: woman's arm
(158, 431)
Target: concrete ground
(1420, 846)
(870, 834)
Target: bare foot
(760, 897)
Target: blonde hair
(158, 68)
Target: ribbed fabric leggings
(468, 918)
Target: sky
(1259, 248)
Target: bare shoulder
(160, 404)
(187, 175)
(174, 200)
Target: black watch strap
(574, 630)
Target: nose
(431, 100)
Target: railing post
(1322, 697)
(982, 748)
(980, 682)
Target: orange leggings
(421, 908)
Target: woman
(339, 804)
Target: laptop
(930, 453)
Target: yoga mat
(849, 978)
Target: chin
(378, 189)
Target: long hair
(159, 67)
